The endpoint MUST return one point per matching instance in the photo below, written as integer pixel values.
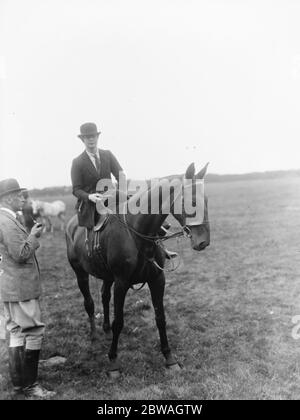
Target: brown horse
(128, 253)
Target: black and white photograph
(149, 203)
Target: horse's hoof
(114, 369)
(173, 367)
(114, 374)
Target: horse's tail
(71, 228)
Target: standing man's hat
(8, 186)
(88, 129)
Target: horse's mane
(142, 193)
(148, 181)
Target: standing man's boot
(30, 372)
(15, 357)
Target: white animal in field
(48, 211)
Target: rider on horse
(87, 169)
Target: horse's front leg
(121, 287)
(50, 224)
(62, 221)
(106, 295)
(157, 289)
(46, 223)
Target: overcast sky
(168, 82)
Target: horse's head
(194, 213)
(36, 207)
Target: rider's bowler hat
(88, 129)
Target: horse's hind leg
(83, 284)
(157, 288)
(47, 223)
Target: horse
(129, 254)
(46, 211)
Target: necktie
(97, 161)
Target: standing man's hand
(37, 230)
(95, 197)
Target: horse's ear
(201, 174)
(190, 172)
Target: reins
(184, 232)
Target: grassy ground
(229, 310)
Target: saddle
(102, 220)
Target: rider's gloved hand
(95, 197)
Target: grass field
(229, 310)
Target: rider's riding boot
(15, 357)
(32, 389)
(91, 237)
(89, 241)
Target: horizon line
(243, 174)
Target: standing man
(20, 290)
(87, 169)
